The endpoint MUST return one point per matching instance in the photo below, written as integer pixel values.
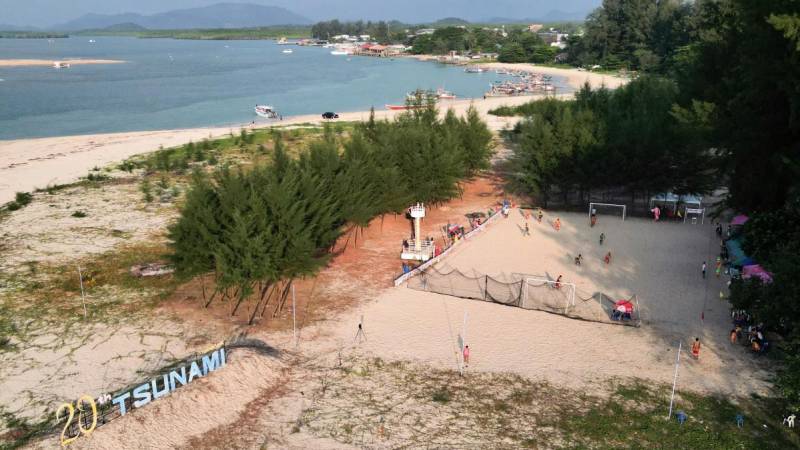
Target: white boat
(92, 41)
(443, 94)
(339, 53)
(474, 70)
(60, 65)
(287, 51)
(266, 111)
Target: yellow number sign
(81, 406)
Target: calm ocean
(169, 83)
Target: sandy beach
(28, 164)
(48, 62)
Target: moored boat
(266, 111)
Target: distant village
(367, 45)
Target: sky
(44, 13)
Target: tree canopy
(258, 227)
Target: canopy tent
(736, 255)
(665, 198)
(741, 219)
(693, 201)
(755, 270)
(669, 198)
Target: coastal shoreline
(49, 62)
(35, 163)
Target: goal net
(527, 291)
(693, 214)
(608, 209)
(548, 295)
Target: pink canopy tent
(756, 270)
(739, 220)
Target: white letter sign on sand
(147, 392)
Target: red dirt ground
(366, 261)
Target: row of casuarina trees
(253, 230)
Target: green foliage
(378, 31)
(278, 221)
(634, 34)
(630, 138)
(147, 190)
(79, 214)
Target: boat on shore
(60, 65)
(403, 107)
(442, 94)
(266, 111)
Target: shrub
(23, 198)
(79, 214)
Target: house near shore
(382, 51)
(535, 27)
(554, 38)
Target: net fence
(534, 292)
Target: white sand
(660, 263)
(575, 78)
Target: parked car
(330, 115)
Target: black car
(330, 115)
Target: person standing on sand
(541, 214)
(527, 230)
(466, 356)
(558, 282)
(703, 269)
(607, 258)
(557, 224)
(696, 348)
(602, 238)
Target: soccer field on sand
(658, 262)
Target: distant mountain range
(220, 15)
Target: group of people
(744, 331)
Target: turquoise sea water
(170, 83)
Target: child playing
(557, 224)
(696, 348)
(607, 258)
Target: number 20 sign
(81, 406)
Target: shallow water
(168, 83)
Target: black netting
(525, 291)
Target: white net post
(622, 208)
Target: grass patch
(425, 407)
(79, 214)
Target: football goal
(548, 295)
(607, 208)
(696, 213)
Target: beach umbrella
(624, 306)
(741, 219)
